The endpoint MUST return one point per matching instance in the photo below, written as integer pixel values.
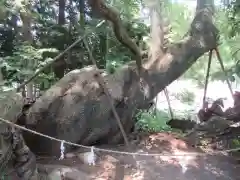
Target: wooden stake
(223, 69)
(207, 78)
(101, 81)
(168, 101)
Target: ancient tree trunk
(77, 110)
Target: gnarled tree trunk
(76, 109)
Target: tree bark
(156, 30)
(27, 37)
(70, 30)
(60, 66)
(82, 14)
(76, 109)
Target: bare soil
(127, 167)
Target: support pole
(169, 104)
(100, 80)
(207, 78)
(223, 69)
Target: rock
(11, 104)
(214, 125)
(183, 125)
(89, 157)
(59, 172)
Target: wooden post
(168, 101)
(207, 78)
(223, 69)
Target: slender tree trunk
(104, 49)
(1, 78)
(27, 37)
(71, 22)
(82, 22)
(82, 13)
(60, 66)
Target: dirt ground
(127, 167)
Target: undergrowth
(152, 121)
(155, 120)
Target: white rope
(91, 157)
(119, 152)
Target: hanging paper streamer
(91, 157)
(16, 137)
(144, 88)
(62, 150)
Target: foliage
(25, 61)
(233, 14)
(236, 142)
(153, 121)
(179, 17)
(135, 29)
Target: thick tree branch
(202, 33)
(113, 16)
